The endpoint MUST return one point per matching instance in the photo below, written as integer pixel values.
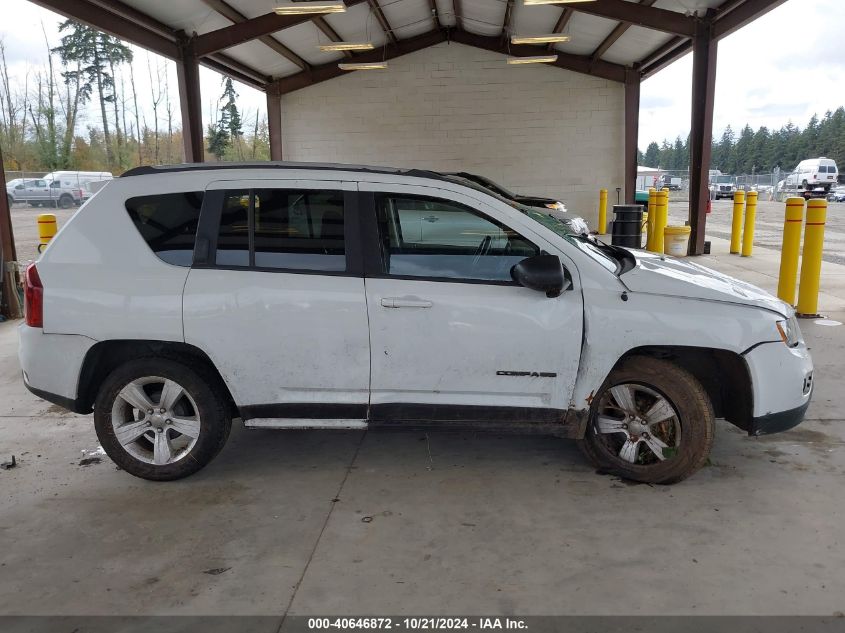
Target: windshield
(724, 179)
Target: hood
(664, 275)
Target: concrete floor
(401, 523)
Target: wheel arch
(723, 374)
(106, 356)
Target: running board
(303, 423)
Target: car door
(276, 299)
(453, 338)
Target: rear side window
(168, 224)
(286, 229)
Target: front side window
(290, 229)
(168, 223)
(427, 237)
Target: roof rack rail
(277, 165)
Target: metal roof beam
(385, 25)
(235, 16)
(253, 28)
(567, 61)
(746, 12)
(318, 74)
(616, 33)
(562, 23)
(648, 17)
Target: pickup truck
(39, 192)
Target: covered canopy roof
(248, 41)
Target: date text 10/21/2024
(417, 623)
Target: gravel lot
(25, 226)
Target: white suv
(299, 296)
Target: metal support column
(187, 73)
(9, 305)
(701, 132)
(632, 131)
(274, 121)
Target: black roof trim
(148, 170)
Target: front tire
(158, 419)
(651, 421)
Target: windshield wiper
(626, 259)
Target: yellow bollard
(750, 219)
(602, 228)
(811, 260)
(661, 220)
(652, 208)
(46, 229)
(790, 250)
(736, 225)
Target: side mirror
(542, 272)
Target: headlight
(790, 332)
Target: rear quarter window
(168, 224)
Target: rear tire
(159, 419)
(621, 438)
(66, 201)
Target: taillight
(33, 294)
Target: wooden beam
(435, 15)
(632, 132)
(253, 28)
(235, 16)
(507, 23)
(562, 22)
(458, 8)
(701, 130)
(649, 17)
(188, 77)
(325, 72)
(385, 25)
(122, 21)
(229, 67)
(567, 61)
(274, 122)
(9, 304)
(746, 12)
(681, 47)
(329, 32)
(616, 33)
(113, 24)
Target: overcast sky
(775, 70)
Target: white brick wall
(535, 129)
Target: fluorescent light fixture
(551, 38)
(537, 59)
(305, 8)
(530, 2)
(363, 66)
(347, 46)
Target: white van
(80, 180)
(814, 173)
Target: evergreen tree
(95, 54)
(652, 155)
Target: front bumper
(782, 379)
(778, 422)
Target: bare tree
(137, 117)
(156, 99)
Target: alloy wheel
(637, 424)
(156, 420)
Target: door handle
(431, 218)
(398, 302)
